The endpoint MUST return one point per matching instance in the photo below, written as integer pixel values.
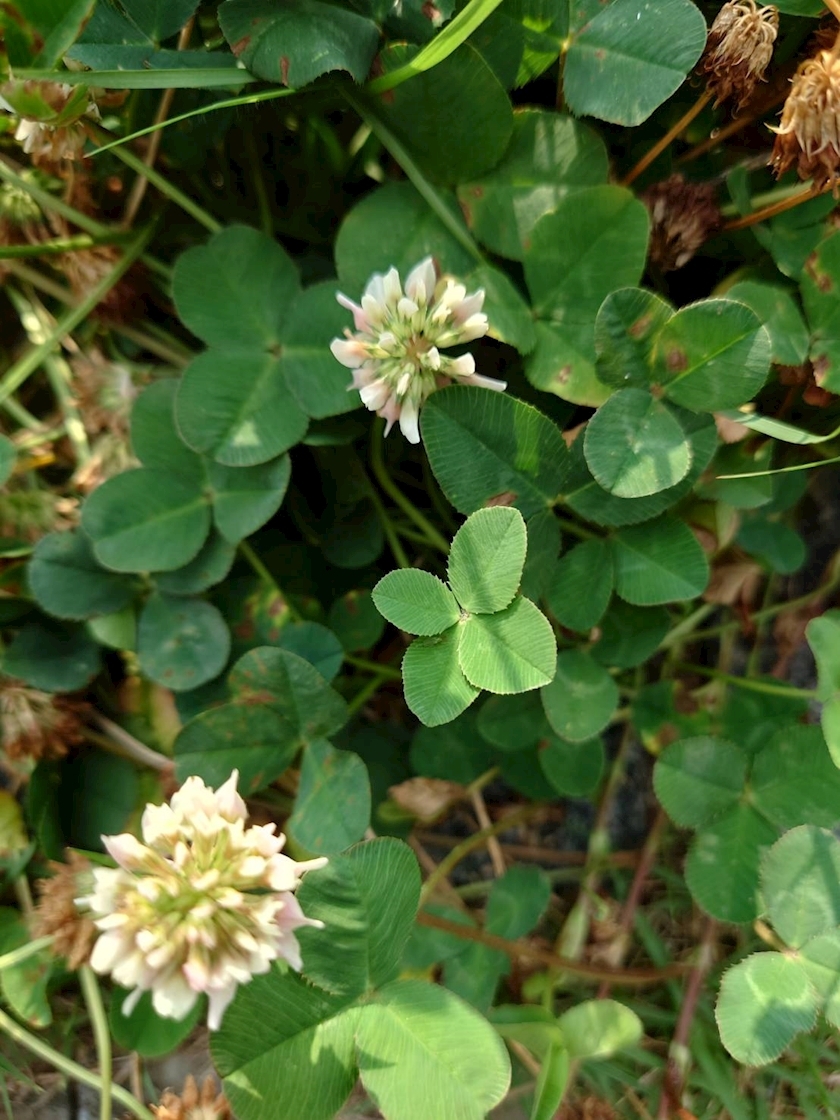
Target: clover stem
(248, 553)
(767, 687)
(380, 473)
(24, 952)
(394, 543)
(68, 1067)
(101, 1034)
(672, 133)
(775, 208)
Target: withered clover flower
(202, 905)
(396, 353)
(808, 136)
(738, 50)
(683, 216)
(192, 1104)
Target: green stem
(576, 530)
(380, 473)
(101, 1034)
(364, 694)
(59, 245)
(24, 952)
(394, 542)
(68, 1067)
(376, 667)
(163, 185)
(27, 365)
(437, 203)
(258, 180)
(766, 687)
(686, 627)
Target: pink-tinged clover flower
(395, 354)
(201, 904)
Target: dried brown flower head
(35, 724)
(85, 268)
(683, 216)
(57, 915)
(192, 1104)
(809, 134)
(738, 50)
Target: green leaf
(765, 1001)
(698, 779)
(149, 21)
(24, 985)
(237, 408)
(394, 226)
(244, 498)
(630, 635)
(355, 621)
(486, 559)
(455, 120)
(54, 26)
(117, 631)
(627, 323)
(181, 643)
(97, 793)
(332, 807)
(509, 316)
(155, 439)
(592, 502)
(513, 723)
(711, 355)
(543, 549)
(551, 1083)
(780, 314)
(209, 567)
(823, 636)
(67, 581)
(549, 155)
(635, 446)
(599, 1028)
(435, 688)
(581, 699)
(279, 704)
(820, 958)
(581, 585)
(511, 651)
(453, 752)
(593, 242)
(314, 643)
(773, 542)
(416, 601)
(285, 1041)
(404, 1041)
(800, 880)
(573, 769)
(367, 898)
(659, 562)
(144, 1030)
(235, 291)
(794, 780)
(8, 455)
(489, 445)
(145, 520)
(819, 286)
(722, 865)
(617, 67)
(53, 656)
(297, 42)
(318, 382)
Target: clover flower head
(739, 49)
(808, 135)
(395, 353)
(201, 904)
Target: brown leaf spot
(676, 359)
(284, 69)
(241, 45)
(562, 376)
(506, 498)
(640, 327)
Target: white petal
(158, 821)
(420, 282)
(109, 948)
(127, 850)
(407, 308)
(131, 1001)
(468, 306)
(360, 319)
(349, 351)
(218, 1004)
(228, 801)
(173, 999)
(484, 382)
(474, 327)
(289, 949)
(390, 411)
(375, 395)
(391, 287)
(409, 417)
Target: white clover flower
(395, 354)
(202, 905)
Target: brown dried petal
(192, 1104)
(56, 914)
(426, 798)
(683, 216)
(36, 725)
(738, 50)
(808, 136)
